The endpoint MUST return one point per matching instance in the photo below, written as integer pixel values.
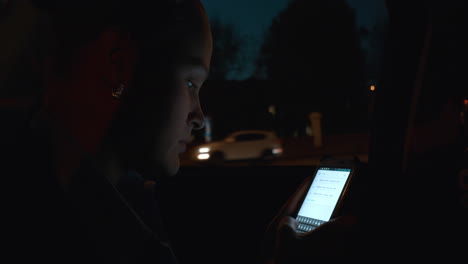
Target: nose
(197, 118)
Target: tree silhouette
(227, 45)
(312, 52)
(376, 43)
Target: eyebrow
(196, 62)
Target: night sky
(253, 17)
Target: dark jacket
(92, 223)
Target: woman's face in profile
(171, 109)
(185, 114)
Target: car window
(305, 70)
(250, 137)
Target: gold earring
(118, 90)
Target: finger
(287, 210)
(293, 202)
(332, 231)
(279, 238)
(288, 229)
(287, 239)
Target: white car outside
(241, 145)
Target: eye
(190, 85)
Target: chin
(172, 166)
(172, 171)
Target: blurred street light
(272, 110)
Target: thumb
(286, 240)
(280, 234)
(287, 232)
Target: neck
(111, 165)
(67, 157)
(68, 154)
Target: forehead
(195, 65)
(195, 47)
(185, 38)
(190, 38)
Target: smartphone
(326, 193)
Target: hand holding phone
(326, 193)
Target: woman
(121, 82)
(119, 104)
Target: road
(302, 152)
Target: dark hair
(76, 22)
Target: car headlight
(277, 151)
(203, 156)
(204, 150)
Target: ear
(122, 56)
(110, 62)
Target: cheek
(181, 105)
(174, 122)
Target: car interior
(418, 43)
(388, 79)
